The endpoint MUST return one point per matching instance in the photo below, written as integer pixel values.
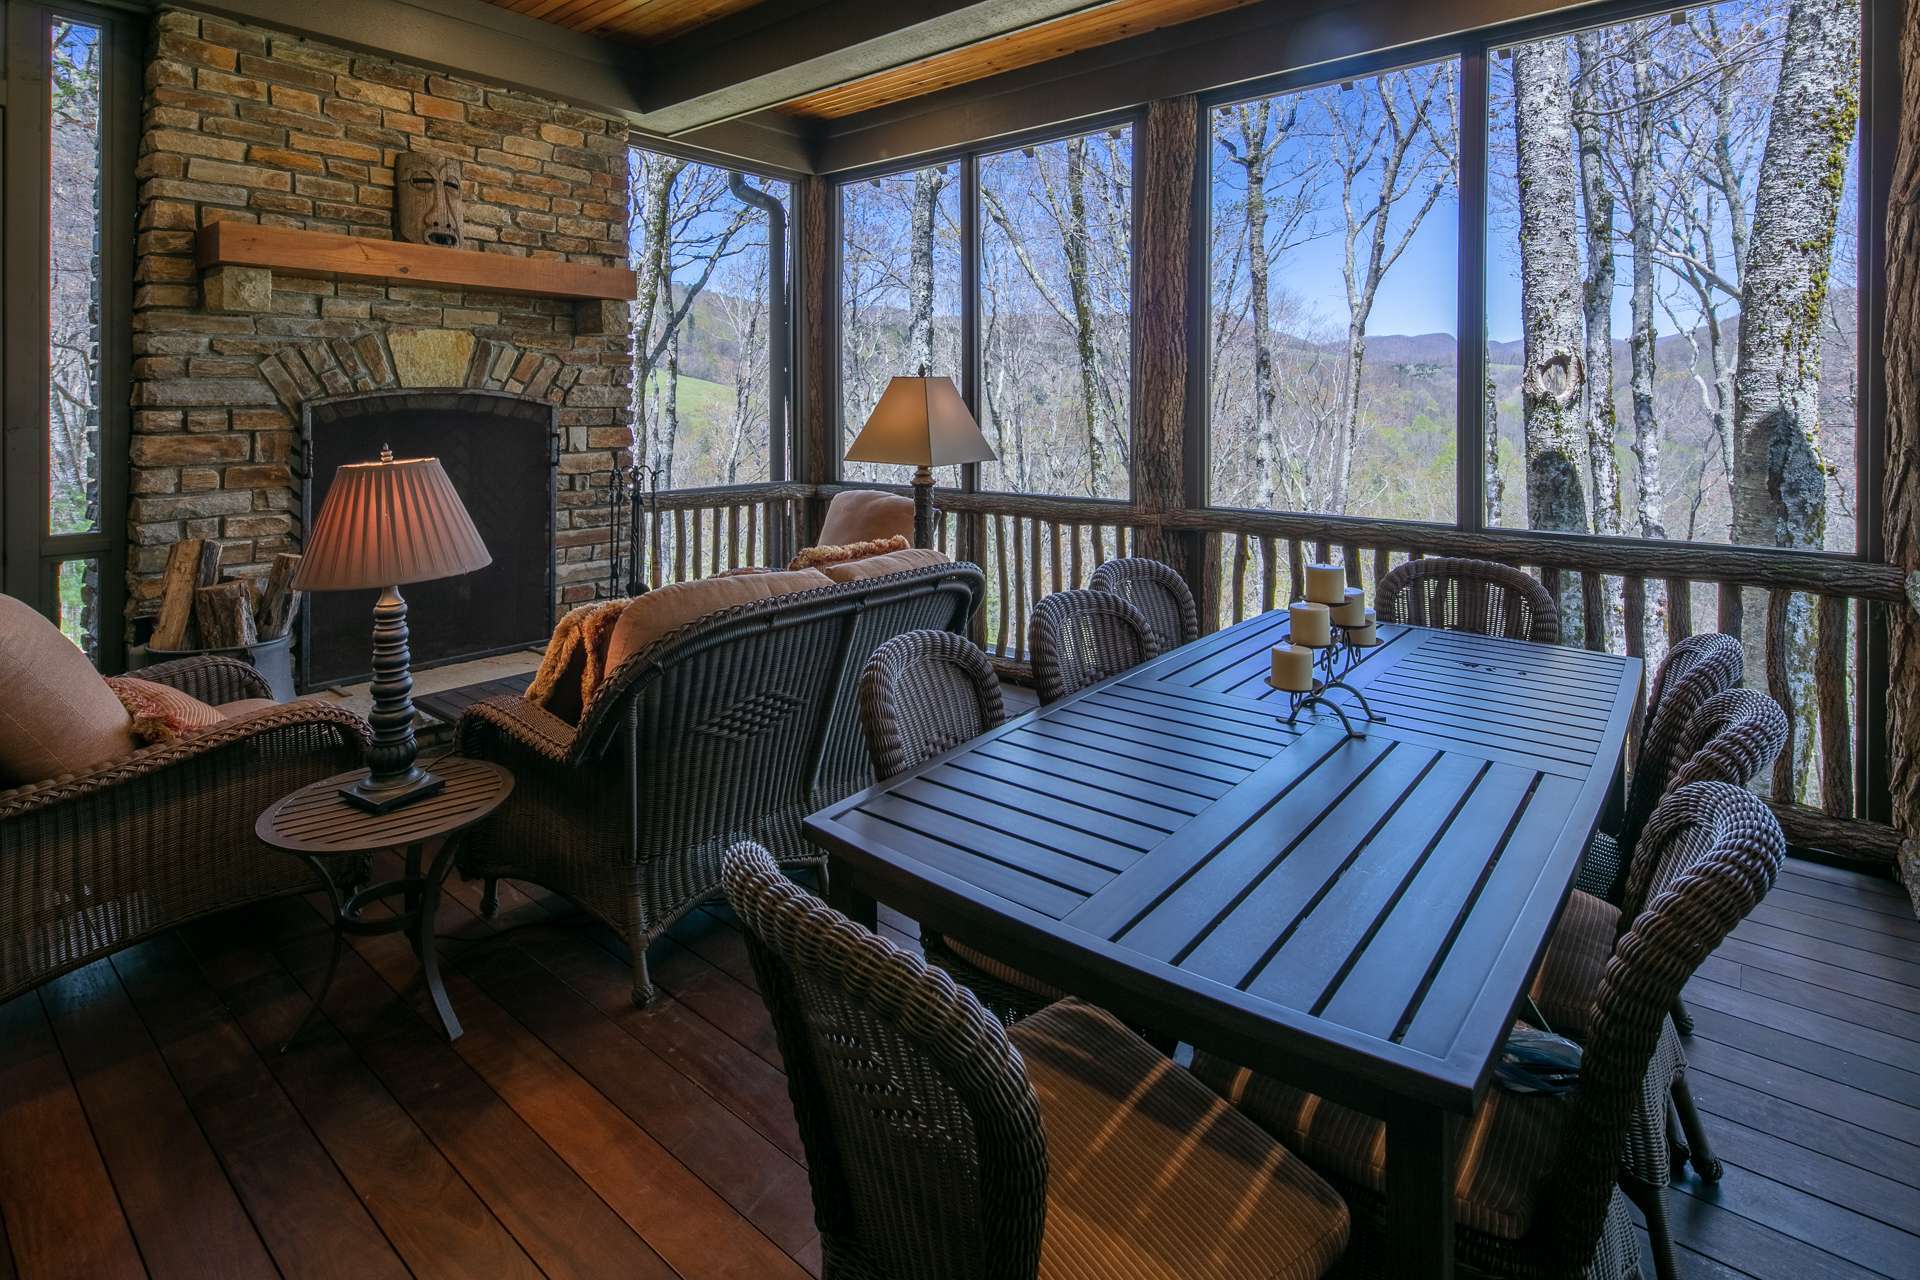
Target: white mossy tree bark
(1780, 477)
(1553, 378)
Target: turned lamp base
(384, 795)
(923, 507)
(393, 781)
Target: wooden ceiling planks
(644, 21)
(1041, 42)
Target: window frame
(1879, 98)
(968, 157)
(782, 459)
(33, 554)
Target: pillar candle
(1309, 624)
(1292, 669)
(1326, 584)
(1353, 611)
(1364, 636)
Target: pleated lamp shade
(920, 422)
(388, 523)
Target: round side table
(316, 823)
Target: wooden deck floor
(147, 1127)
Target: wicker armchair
(1458, 594)
(92, 862)
(942, 1147)
(1159, 593)
(922, 694)
(1079, 638)
(735, 726)
(1537, 1194)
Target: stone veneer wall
(246, 123)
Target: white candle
(1364, 636)
(1309, 627)
(1326, 584)
(1353, 611)
(1292, 669)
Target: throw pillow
(820, 556)
(161, 712)
(860, 515)
(58, 715)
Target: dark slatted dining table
(1356, 916)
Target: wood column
(1903, 455)
(1162, 238)
(816, 290)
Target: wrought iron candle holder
(1333, 661)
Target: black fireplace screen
(502, 454)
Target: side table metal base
(415, 915)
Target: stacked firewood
(201, 610)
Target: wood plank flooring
(148, 1127)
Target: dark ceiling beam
(1209, 53)
(780, 50)
(496, 47)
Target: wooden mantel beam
(325, 253)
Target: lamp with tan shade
(385, 524)
(921, 423)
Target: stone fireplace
(242, 378)
(491, 445)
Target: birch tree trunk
(1590, 136)
(1080, 291)
(1779, 475)
(1646, 422)
(1496, 482)
(1554, 374)
(926, 198)
(1780, 479)
(1903, 457)
(1255, 155)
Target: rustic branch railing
(686, 534)
(1652, 595)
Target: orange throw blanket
(576, 660)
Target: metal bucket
(273, 659)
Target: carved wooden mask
(428, 206)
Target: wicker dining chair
(1538, 1191)
(1079, 638)
(1732, 739)
(1458, 594)
(1158, 592)
(921, 694)
(1695, 670)
(941, 1146)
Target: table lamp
(385, 524)
(921, 423)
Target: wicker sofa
(94, 861)
(734, 726)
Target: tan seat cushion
(1506, 1151)
(881, 566)
(1151, 1177)
(246, 707)
(861, 515)
(1577, 954)
(57, 714)
(662, 610)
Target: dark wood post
(817, 288)
(1903, 456)
(1163, 221)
